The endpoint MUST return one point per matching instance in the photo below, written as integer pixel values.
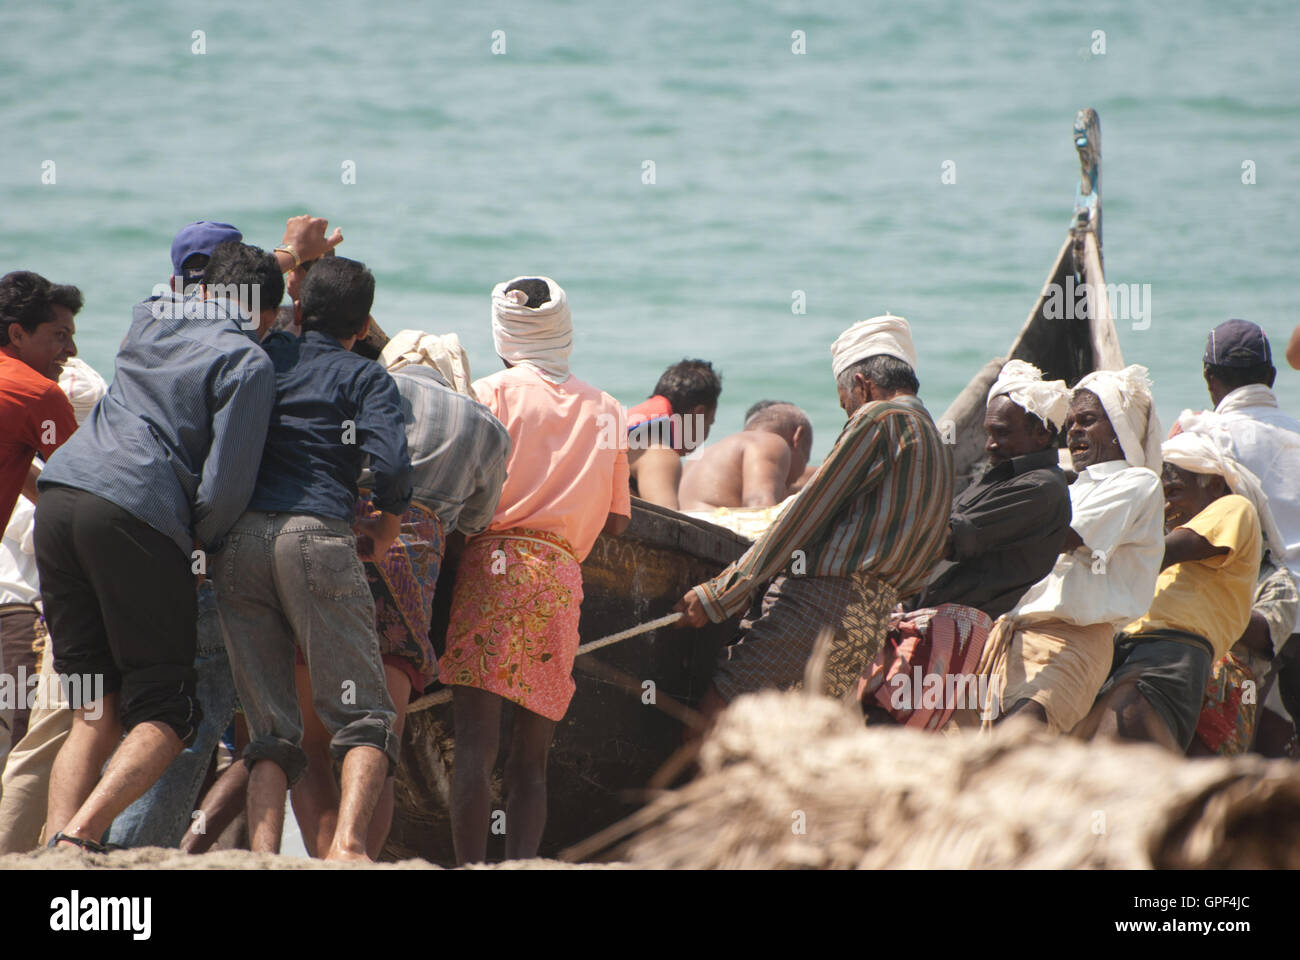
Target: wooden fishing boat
(621, 726)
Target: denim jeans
(288, 582)
(160, 817)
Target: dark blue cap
(1238, 343)
(202, 236)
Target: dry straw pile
(791, 780)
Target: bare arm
(1293, 349)
(1256, 639)
(29, 485)
(658, 474)
(1185, 545)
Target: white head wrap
(536, 337)
(83, 385)
(1125, 395)
(1023, 384)
(444, 354)
(888, 335)
(1204, 448)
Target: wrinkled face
(854, 397)
(49, 346)
(1088, 432)
(1011, 431)
(1187, 494)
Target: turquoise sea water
(774, 172)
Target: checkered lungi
(774, 648)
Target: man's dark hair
(690, 384)
(1234, 377)
(538, 291)
(235, 264)
(337, 296)
(886, 372)
(26, 298)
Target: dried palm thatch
(794, 780)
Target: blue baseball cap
(202, 236)
(1238, 343)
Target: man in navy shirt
(291, 578)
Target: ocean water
(774, 172)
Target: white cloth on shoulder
(888, 335)
(537, 337)
(1205, 446)
(83, 385)
(443, 353)
(1125, 395)
(1023, 384)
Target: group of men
(253, 517)
(1147, 592)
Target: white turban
(888, 335)
(1125, 395)
(1205, 447)
(536, 337)
(1023, 384)
(83, 385)
(444, 354)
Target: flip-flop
(90, 846)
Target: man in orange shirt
(36, 329)
(36, 338)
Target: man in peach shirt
(516, 604)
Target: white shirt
(1267, 441)
(1119, 513)
(18, 583)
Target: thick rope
(442, 696)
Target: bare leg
(530, 742)
(220, 806)
(138, 762)
(399, 688)
(1124, 714)
(315, 796)
(76, 767)
(478, 733)
(267, 785)
(364, 770)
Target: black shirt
(1008, 528)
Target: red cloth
(944, 641)
(35, 416)
(656, 408)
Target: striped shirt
(879, 504)
(458, 450)
(177, 439)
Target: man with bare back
(757, 467)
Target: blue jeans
(161, 816)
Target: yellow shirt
(1211, 597)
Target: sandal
(90, 846)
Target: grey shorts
(286, 582)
